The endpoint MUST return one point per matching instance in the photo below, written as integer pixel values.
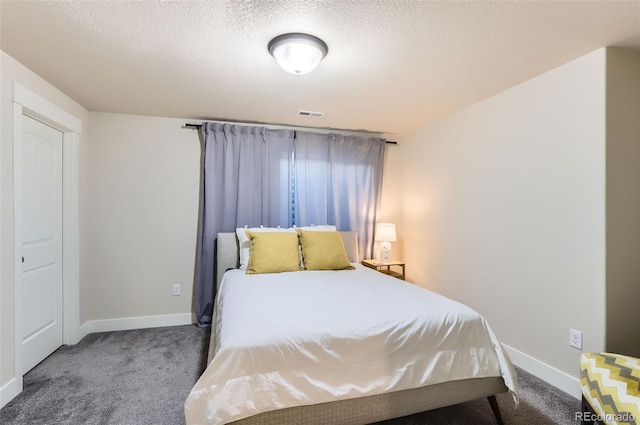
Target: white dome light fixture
(298, 53)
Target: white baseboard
(547, 373)
(141, 322)
(83, 331)
(8, 392)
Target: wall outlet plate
(575, 339)
(176, 289)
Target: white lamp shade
(386, 232)
(297, 53)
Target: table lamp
(385, 234)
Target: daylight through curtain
(338, 180)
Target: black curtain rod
(187, 125)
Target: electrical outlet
(575, 339)
(176, 289)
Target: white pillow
(245, 244)
(319, 228)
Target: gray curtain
(338, 180)
(246, 175)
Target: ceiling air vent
(310, 114)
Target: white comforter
(300, 338)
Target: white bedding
(301, 338)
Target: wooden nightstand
(385, 267)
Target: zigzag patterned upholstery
(611, 386)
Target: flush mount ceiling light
(297, 53)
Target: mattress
(301, 338)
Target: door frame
(26, 102)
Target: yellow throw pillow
(323, 251)
(273, 252)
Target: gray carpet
(142, 377)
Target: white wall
(143, 209)
(623, 201)
(13, 72)
(504, 210)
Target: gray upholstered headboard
(227, 256)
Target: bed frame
(363, 410)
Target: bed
(339, 347)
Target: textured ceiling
(393, 66)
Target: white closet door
(41, 234)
